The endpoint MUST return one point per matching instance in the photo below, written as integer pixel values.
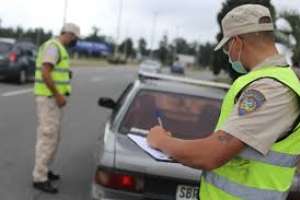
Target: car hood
(130, 157)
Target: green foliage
(94, 36)
(126, 48)
(167, 51)
(293, 18)
(142, 47)
(205, 54)
(183, 47)
(37, 35)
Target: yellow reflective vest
(251, 175)
(60, 73)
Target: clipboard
(141, 141)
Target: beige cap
(72, 28)
(243, 19)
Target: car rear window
(186, 116)
(5, 47)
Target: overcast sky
(192, 19)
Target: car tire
(22, 78)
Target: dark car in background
(177, 68)
(17, 60)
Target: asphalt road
(83, 124)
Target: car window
(185, 116)
(5, 47)
(25, 46)
(121, 100)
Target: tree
(142, 46)
(293, 18)
(183, 47)
(126, 48)
(163, 50)
(37, 35)
(205, 54)
(220, 61)
(95, 37)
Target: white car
(150, 66)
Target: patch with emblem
(251, 100)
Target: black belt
(66, 94)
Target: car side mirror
(107, 103)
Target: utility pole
(118, 33)
(65, 12)
(155, 14)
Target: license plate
(186, 192)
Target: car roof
(181, 88)
(151, 61)
(8, 40)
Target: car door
(28, 52)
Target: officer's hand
(60, 100)
(156, 136)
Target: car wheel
(22, 77)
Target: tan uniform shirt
(265, 111)
(50, 55)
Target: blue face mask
(237, 65)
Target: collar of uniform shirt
(276, 60)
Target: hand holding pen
(158, 117)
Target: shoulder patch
(250, 101)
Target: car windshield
(150, 63)
(5, 47)
(185, 116)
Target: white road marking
(17, 92)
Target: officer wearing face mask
(52, 87)
(253, 152)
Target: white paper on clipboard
(142, 143)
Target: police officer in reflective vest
(51, 88)
(253, 152)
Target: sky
(194, 20)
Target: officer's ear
(239, 42)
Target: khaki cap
(243, 19)
(71, 28)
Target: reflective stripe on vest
(273, 158)
(251, 175)
(60, 72)
(56, 70)
(240, 191)
(56, 82)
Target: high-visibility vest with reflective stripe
(60, 73)
(251, 175)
